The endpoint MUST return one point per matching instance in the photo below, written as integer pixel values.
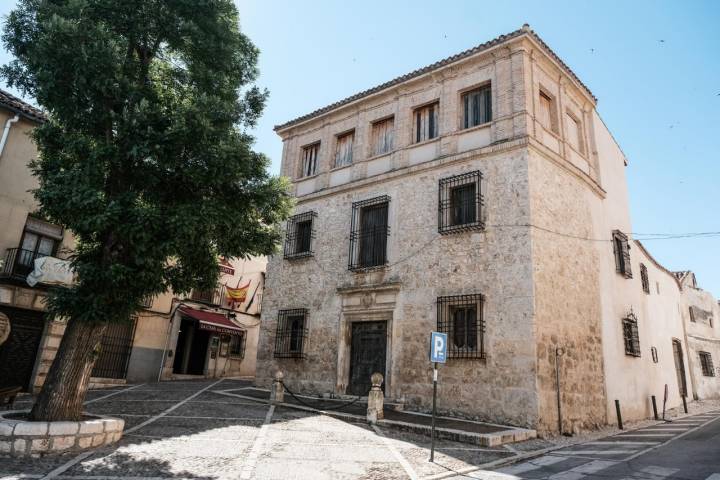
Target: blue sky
(654, 66)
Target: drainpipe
(6, 132)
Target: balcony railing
(19, 263)
(215, 297)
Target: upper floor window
(460, 202)
(574, 133)
(425, 122)
(383, 136)
(39, 239)
(310, 160)
(692, 314)
(547, 112)
(631, 337)
(477, 106)
(706, 363)
(299, 235)
(461, 317)
(644, 278)
(621, 248)
(369, 232)
(291, 333)
(344, 149)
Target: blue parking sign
(438, 347)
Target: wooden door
(679, 368)
(367, 355)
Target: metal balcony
(19, 263)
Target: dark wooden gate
(679, 368)
(115, 350)
(367, 355)
(18, 353)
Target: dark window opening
(621, 249)
(631, 336)
(692, 314)
(460, 202)
(426, 122)
(477, 107)
(644, 278)
(299, 235)
(291, 333)
(460, 316)
(706, 363)
(654, 354)
(369, 231)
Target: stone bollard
(375, 399)
(277, 392)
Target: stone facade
(556, 284)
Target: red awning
(214, 322)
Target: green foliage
(145, 156)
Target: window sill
(425, 142)
(482, 126)
(341, 167)
(380, 155)
(310, 177)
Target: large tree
(145, 157)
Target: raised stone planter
(19, 438)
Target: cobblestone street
(187, 429)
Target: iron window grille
(426, 122)
(460, 203)
(477, 107)
(237, 345)
(369, 231)
(310, 160)
(631, 337)
(461, 318)
(654, 354)
(621, 248)
(291, 333)
(644, 278)
(299, 235)
(706, 363)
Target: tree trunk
(63, 393)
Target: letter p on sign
(438, 347)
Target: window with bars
(382, 136)
(299, 235)
(460, 202)
(644, 278)
(477, 106)
(631, 337)
(344, 149)
(310, 160)
(621, 249)
(291, 333)
(369, 231)
(706, 363)
(461, 318)
(237, 345)
(425, 122)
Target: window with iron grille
(692, 314)
(291, 333)
(644, 278)
(706, 364)
(621, 248)
(344, 149)
(237, 345)
(369, 231)
(477, 107)
(631, 336)
(382, 136)
(461, 317)
(310, 160)
(460, 202)
(299, 235)
(426, 122)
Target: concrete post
(277, 391)
(375, 399)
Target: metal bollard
(277, 392)
(684, 403)
(619, 415)
(654, 404)
(375, 399)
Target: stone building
(138, 351)
(482, 196)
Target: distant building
(484, 197)
(213, 336)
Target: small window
(546, 112)
(237, 345)
(631, 336)
(383, 134)
(344, 149)
(299, 235)
(477, 107)
(622, 254)
(692, 314)
(654, 354)
(426, 122)
(460, 203)
(461, 317)
(369, 232)
(644, 278)
(310, 160)
(706, 364)
(291, 333)
(574, 133)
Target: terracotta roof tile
(21, 107)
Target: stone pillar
(277, 391)
(375, 399)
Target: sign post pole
(438, 354)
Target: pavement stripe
(594, 466)
(629, 442)
(655, 429)
(568, 475)
(405, 464)
(113, 393)
(251, 461)
(714, 476)
(659, 472)
(596, 452)
(626, 435)
(533, 464)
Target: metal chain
(337, 407)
